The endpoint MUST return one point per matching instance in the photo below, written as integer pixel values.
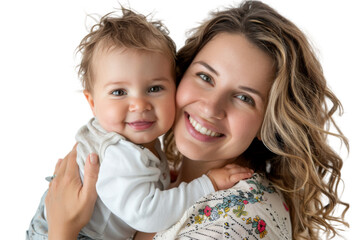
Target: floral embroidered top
(252, 209)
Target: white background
(42, 107)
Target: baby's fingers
(239, 176)
(231, 165)
(238, 169)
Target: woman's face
(222, 98)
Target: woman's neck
(192, 169)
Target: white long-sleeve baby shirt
(132, 185)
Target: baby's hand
(226, 177)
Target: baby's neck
(151, 147)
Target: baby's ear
(90, 100)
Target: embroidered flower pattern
(207, 211)
(238, 204)
(258, 224)
(240, 211)
(199, 219)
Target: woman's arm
(69, 203)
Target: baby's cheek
(111, 120)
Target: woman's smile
(199, 131)
(221, 99)
(203, 130)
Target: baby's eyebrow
(124, 83)
(161, 79)
(210, 68)
(116, 83)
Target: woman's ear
(90, 100)
(258, 135)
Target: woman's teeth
(202, 129)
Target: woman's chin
(189, 151)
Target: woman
(249, 75)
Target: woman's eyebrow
(248, 89)
(211, 69)
(252, 90)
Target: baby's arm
(128, 187)
(226, 177)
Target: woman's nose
(213, 108)
(139, 105)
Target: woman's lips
(200, 132)
(203, 130)
(140, 125)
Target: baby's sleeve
(127, 185)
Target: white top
(252, 209)
(131, 186)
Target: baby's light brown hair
(130, 30)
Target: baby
(128, 74)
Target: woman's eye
(246, 99)
(205, 77)
(118, 92)
(155, 89)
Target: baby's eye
(205, 77)
(155, 89)
(119, 92)
(247, 99)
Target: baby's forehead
(119, 62)
(105, 50)
(105, 47)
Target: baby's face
(134, 93)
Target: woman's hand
(70, 203)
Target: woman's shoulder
(256, 191)
(253, 208)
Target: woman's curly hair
(296, 124)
